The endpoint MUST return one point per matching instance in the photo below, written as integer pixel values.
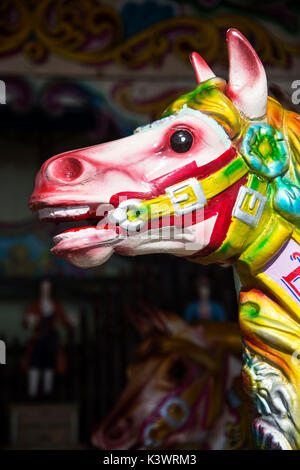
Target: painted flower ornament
(265, 151)
(215, 180)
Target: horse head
(216, 179)
(178, 387)
(193, 183)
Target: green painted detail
(255, 183)
(209, 88)
(262, 244)
(250, 309)
(234, 166)
(265, 151)
(225, 248)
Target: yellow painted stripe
(212, 186)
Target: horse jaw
(182, 242)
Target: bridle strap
(212, 185)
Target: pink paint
(204, 394)
(247, 86)
(202, 70)
(192, 376)
(191, 170)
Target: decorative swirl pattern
(15, 25)
(124, 97)
(88, 32)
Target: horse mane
(185, 342)
(292, 127)
(286, 188)
(209, 97)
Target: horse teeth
(54, 212)
(84, 234)
(74, 234)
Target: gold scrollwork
(124, 97)
(88, 32)
(15, 25)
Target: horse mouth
(129, 228)
(97, 227)
(88, 228)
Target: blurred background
(77, 73)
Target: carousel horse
(184, 388)
(215, 180)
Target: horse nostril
(118, 431)
(115, 433)
(66, 169)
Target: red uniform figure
(45, 353)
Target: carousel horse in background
(184, 388)
(215, 180)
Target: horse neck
(269, 317)
(270, 266)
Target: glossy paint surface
(232, 196)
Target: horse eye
(181, 141)
(178, 370)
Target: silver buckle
(199, 193)
(246, 217)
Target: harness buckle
(245, 214)
(176, 200)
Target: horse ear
(247, 85)
(148, 319)
(202, 70)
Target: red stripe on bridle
(191, 170)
